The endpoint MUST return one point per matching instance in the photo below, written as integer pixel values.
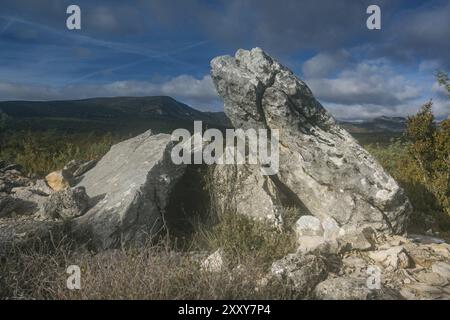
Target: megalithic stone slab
(130, 188)
(321, 163)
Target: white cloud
(369, 82)
(325, 64)
(371, 88)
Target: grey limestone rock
(321, 163)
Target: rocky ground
(364, 265)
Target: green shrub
(421, 167)
(242, 237)
(42, 152)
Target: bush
(42, 152)
(430, 148)
(420, 163)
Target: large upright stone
(130, 187)
(329, 172)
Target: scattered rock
(309, 243)
(84, 167)
(57, 180)
(28, 200)
(393, 258)
(354, 265)
(442, 269)
(350, 288)
(442, 249)
(301, 272)
(419, 290)
(42, 187)
(11, 178)
(66, 204)
(7, 205)
(21, 201)
(331, 229)
(422, 256)
(215, 262)
(356, 240)
(308, 226)
(432, 278)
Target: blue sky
(164, 47)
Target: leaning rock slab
(321, 163)
(129, 189)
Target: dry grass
(155, 271)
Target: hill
(119, 114)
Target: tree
(420, 130)
(444, 80)
(430, 148)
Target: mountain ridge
(160, 113)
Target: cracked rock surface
(129, 189)
(320, 163)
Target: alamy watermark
(373, 281)
(239, 146)
(73, 22)
(73, 282)
(373, 22)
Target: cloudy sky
(163, 47)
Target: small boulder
(42, 187)
(215, 262)
(7, 205)
(57, 180)
(393, 258)
(309, 243)
(423, 291)
(331, 229)
(432, 278)
(21, 201)
(442, 269)
(357, 240)
(301, 272)
(308, 226)
(350, 288)
(66, 204)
